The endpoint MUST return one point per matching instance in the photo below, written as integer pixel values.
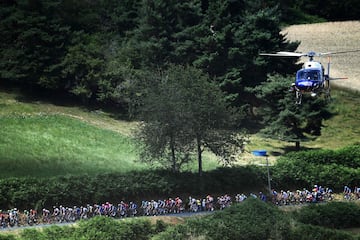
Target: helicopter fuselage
(310, 78)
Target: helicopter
(311, 78)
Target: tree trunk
(173, 157)
(198, 141)
(297, 145)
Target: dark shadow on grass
(47, 168)
(288, 149)
(65, 99)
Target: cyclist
(347, 193)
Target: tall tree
(183, 112)
(283, 119)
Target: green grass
(47, 145)
(344, 127)
(42, 139)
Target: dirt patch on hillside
(173, 220)
(332, 37)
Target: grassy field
(42, 139)
(46, 145)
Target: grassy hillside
(42, 139)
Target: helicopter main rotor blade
(283, 54)
(309, 54)
(340, 52)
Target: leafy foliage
(78, 49)
(332, 215)
(332, 168)
(180, 106)
(304, 231)
(252, 219)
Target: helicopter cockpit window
(309, 75)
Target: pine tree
(283, 119)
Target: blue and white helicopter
(312, 77)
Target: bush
(305, 232)
(251, 219)
(103, 228)
(7, 237)
(325, 167)
(332, 215)
(32, 234)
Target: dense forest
(96, 49)
(109, 53)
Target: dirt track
(332, 37)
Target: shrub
(325, 167)
(103, 228)
(7, 237)
(332, 215)
(251, 219)
(305, 232)
(32, 234)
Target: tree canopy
(183, 113)
(75, 46)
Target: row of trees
(190, 70)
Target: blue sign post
(263, 153)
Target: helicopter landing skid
(298, 97)
(327, 90)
